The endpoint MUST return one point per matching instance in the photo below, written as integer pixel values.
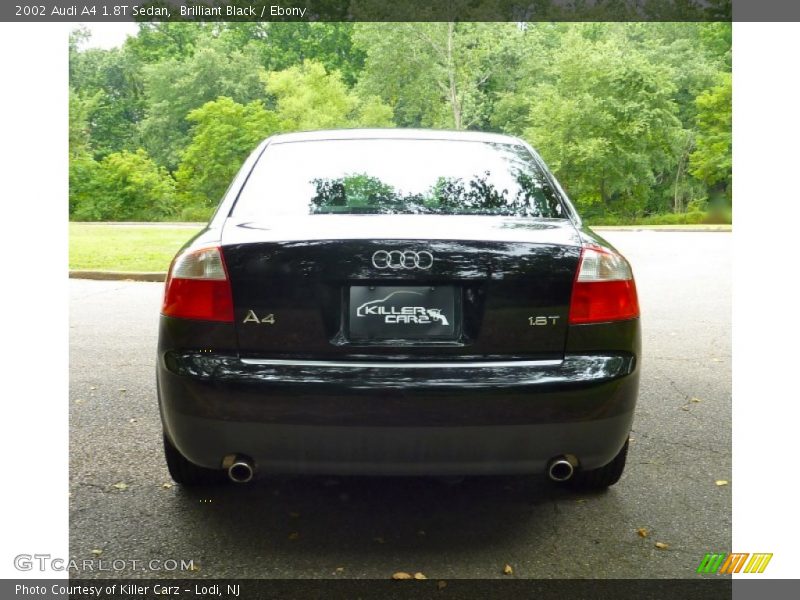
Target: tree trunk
(603, 198)
(677, 205)
(680, 170)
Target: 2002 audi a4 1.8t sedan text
(397, 302)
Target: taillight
(604, 289)
(198, 288)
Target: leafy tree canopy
(173, 87)
(711, 161)
(633, 118)
(223, 134)
(308, 97)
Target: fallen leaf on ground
(121, 485)
(441, 585)
(695, 400)
(339, 569)
(97, 552)
(662, 545)
(507, 570)
(166, 486)
(419, 576)
(642, 532)
(721, 482)
(92, 387)
(122, 390)
(401, 575)
(131, 420)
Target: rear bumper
(398, 418)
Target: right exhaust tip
(560, 469)
(241, 471)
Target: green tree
(82, 167)
(308, 97)
(693, 52)
(80, 109)
(113, 79)
(711, 161)
(174, 87)
(435, 74)
(633, 117)
(280, 46)
(157, 41)
(696, 53)
(606, 123)
(537, 45)
(223, 134)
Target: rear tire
(605, 476)
(187, 473)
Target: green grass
(129, 248)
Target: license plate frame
(403, 313)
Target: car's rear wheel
(605, 476)
(185, 472)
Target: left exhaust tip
(241, 471)
(561, 468)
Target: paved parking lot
(122, 503)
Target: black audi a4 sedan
(397, 302)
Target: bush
(666, 219)
(197, 213)
(84, 178)
(693, 217)
(124, 186)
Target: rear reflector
(604, 289)
(198, 288)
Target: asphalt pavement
(659, 521)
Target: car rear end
(394, 321)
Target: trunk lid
(411, 287)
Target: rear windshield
(397, 176)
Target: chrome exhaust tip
(241, 471)
(561, 468)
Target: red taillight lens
(198, 288)
(604, 289)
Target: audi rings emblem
(402, 259)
